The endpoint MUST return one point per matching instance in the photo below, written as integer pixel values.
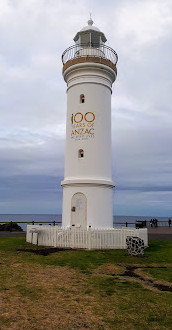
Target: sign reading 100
(78, 117)
(82, 125)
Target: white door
(79, 210)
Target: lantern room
(90, 36)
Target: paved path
(161, 233)
(12, 234)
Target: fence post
(11, 225)
(89, 238)
(72, 236)
(55, 236)
(37, 239)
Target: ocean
(118, 220)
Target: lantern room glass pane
(95, 39)
(85, 39)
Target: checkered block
(135, 246)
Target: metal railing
(143, 224)
(9, 225)
(135, 224)
(84, 50)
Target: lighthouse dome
(90, 27)
(90, 35)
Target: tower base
(87, 206)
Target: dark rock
(10, 226)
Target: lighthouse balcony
(80, 53)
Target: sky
(33, 36)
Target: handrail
(125, 223)
(87, 50)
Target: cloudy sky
(33, 35)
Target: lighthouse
(89, 70)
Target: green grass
(159, 274)
(159, 252)
(76, 289)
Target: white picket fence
(92, 239)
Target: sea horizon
(29, 217)
(59, 216)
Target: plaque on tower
(82, 125)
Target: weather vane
(90, 21)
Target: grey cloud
(33, 36)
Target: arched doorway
(79, 210)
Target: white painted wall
(91, 175)
(99, 205)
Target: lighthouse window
(85, 39)
(95, 39)
(81, 153)
(82, 98)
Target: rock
(135, 246)
(10, 226)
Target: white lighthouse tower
(89, 70)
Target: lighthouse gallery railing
(83, 50)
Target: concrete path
(12, 234)
(161, 233)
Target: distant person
(151, 222)
(169, 223)
(156, 223)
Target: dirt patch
(130, 272)
(48, 298)
(109, 269)
(43, 252)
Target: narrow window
(81, 153)
(82, 98)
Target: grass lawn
(77, 289)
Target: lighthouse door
(79, 210)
